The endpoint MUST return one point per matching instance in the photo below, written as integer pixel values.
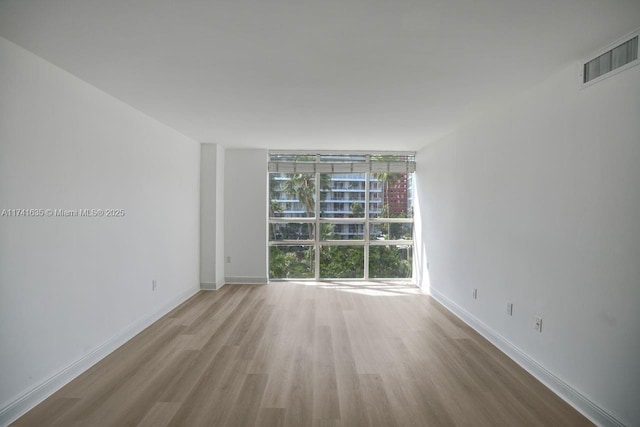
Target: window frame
(318, 220)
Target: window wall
(340, 216)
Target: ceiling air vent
(621, 56)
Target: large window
(341, 216)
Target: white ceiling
(323, 74)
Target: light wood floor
(314, 354)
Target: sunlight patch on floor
(387, 289)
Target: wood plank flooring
(306, 354)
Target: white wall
(539, 204)
(208, 154)
(70, 285)
(245, 207)
(220, 171)
(211, 216)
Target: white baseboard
(15, 408)
(211, 286)
(572, 396)
(247, 280)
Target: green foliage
(388, 180)
(342, 262)
(399, 231)
(291, 262)
(357, 210)
(275, 208)
(325, 185)
(389, 262)
(327, 231)
(302, 186)
(339, 262)
(297, 186)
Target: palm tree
(357, 210)
(302, 187)
(326, 231)
(388, 180)
(275, 207)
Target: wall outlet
(475, 293)
(510, 308)
(538, 323)
(154, 285)
(228, 260)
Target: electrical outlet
(538, 323)
(510, 308)
(154, 285)
(228, 260)
(475, 293)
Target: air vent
(622, 56)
